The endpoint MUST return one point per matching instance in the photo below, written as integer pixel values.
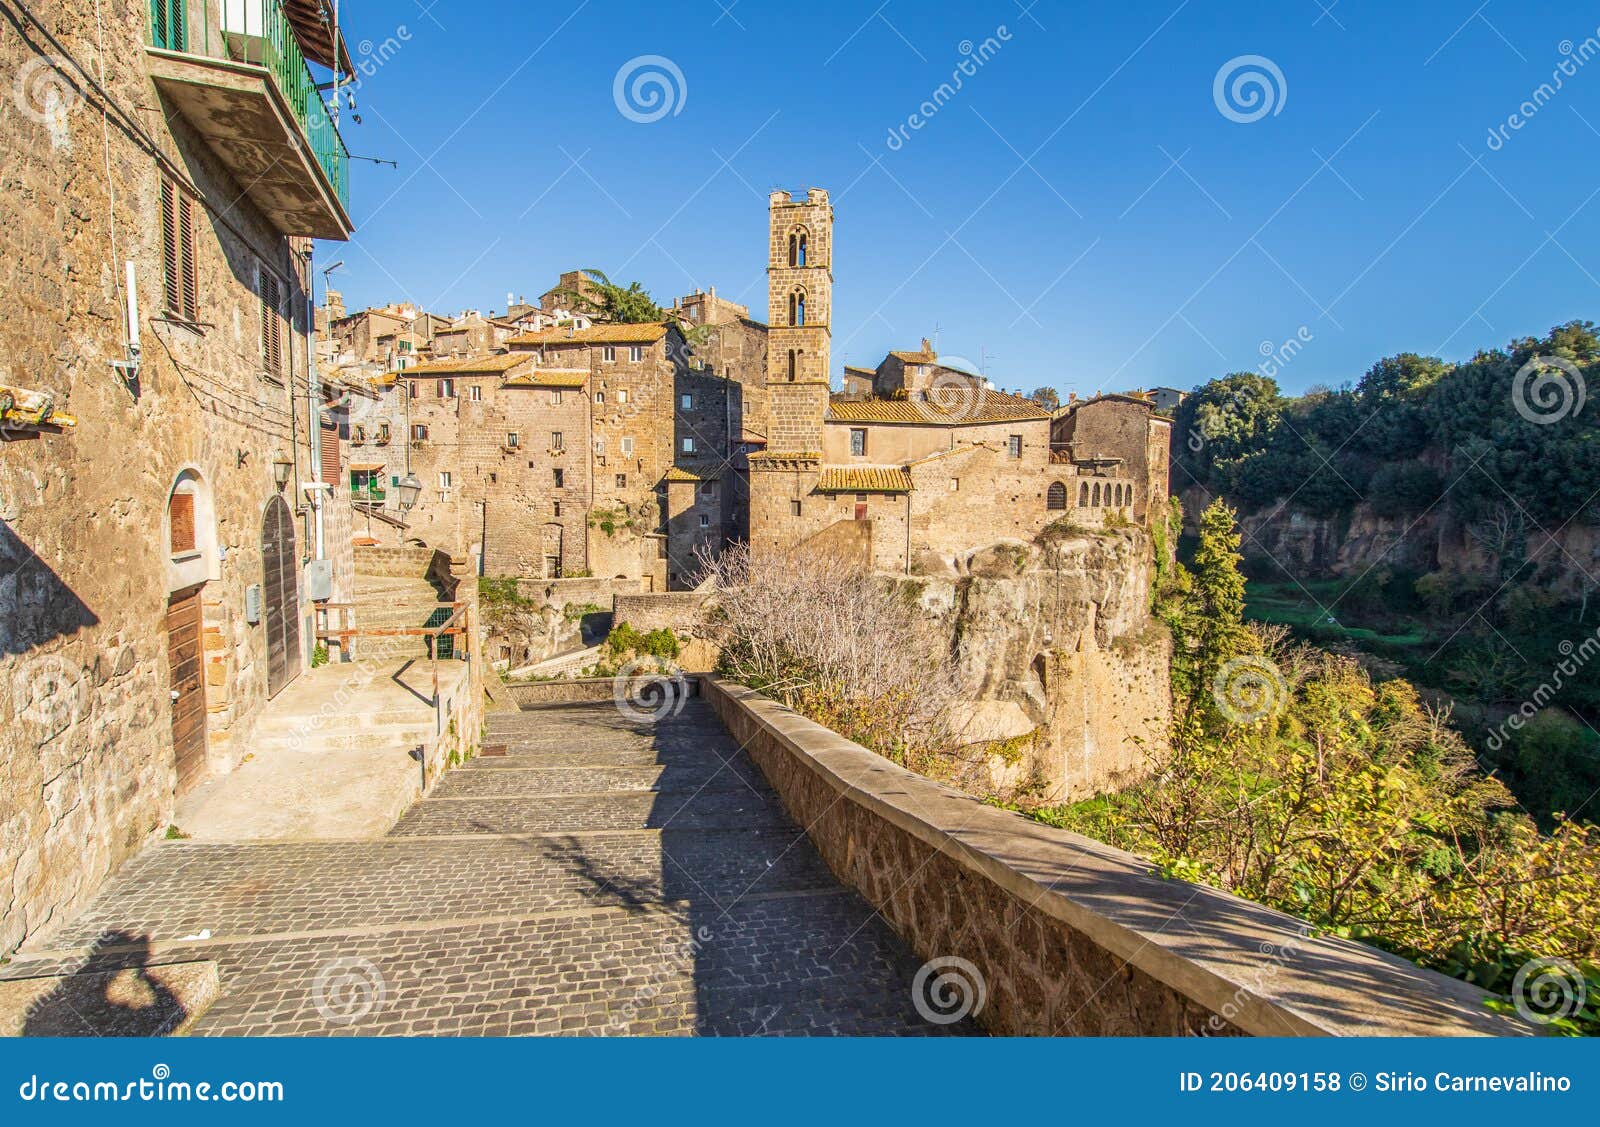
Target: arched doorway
(280, 595)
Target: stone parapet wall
(592, 690)
(674, 610)
(1071, 936)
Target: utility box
(252, 604)
(319, 580)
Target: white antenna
(133, 310)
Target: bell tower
(799, 319)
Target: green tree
(1046, 397)
(1211, 627)
(605, 301)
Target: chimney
(927, 345)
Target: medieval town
(613, 664)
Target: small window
(793, 364)
(622, 395)
(1083, 496)
(557, 441)
(858, 442)
(444, 479)
(447, 389)
(1014, 446)
(411, 389)
(794, 508)
(627, 446)
(608, 354)
(861, 511)
(1056, 499)
(475, 393)
(558, 508)
(180, 272)
(600, 397)
(555, 398)
(513, 439)
(705, 521)
(383, 434)
(635, 353)
(358, 435)
(687, 402)
(955, 485)
(688, 446)
(560, 478)
(419, 433)
(622, 481)
(708, 491)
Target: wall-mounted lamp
(410, 489)
(282, 467)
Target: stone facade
(162, 487)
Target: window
(1083, 496)
(858, 442)
(797, 307)
(793, 364)
(383, 434)
(475, 393)
(1056, 498)
(955, 485)
(861, 511)
(561, 479)
(622, 481)
(271, 322)
(705, 521)
(180, 513)
(444, 479)
(179, 270)
(419, 433)
(708, 491)
(627, 446)
(600, 447)
(513, 440)
(411, 390)
(168, 29)
(794, 508)
(608, 354)
(687, 402)
(447, 389)
(555, 398)
(557, 441)
(558, 508)
(358, 435)
(1097, 494)
(1014, 446)
(688, 446)
(622, 395)
(797, 248)
(635, 353)
(600, 397)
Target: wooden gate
(280, 596)
(184, 659)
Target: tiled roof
(550, 377)
(478, 365)
(865, 479)
(916, 357)
(680, 473)
(947, 407)
(647, 333)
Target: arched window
(1056, 499)
(1083, 496)
(797, 247)
(797, 307)
(1097, 494)
(801, 259)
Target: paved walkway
(602, 878)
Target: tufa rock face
(1057, 639)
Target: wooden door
(280, 596)
(184, 659)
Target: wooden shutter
(180, 514)
(179, 269)
(168, 27)
(271, 323)
(330, 454)
(190, 271)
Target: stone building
(917, 462)
(172, 499)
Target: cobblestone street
(602, 878)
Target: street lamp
(282, 467)
(410, 489)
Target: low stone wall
(570, 592)
(674, 610)
(1071, 936)
(589, 690)
(392, 561)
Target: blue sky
(1081, 214)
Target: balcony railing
(257, 32)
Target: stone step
(723, 809)
(401, 737)
(549, 782)
(138, 1001)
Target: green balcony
(237, 71)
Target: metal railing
(442, 645)
(258, 32)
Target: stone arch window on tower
(797, 307)
(1083, 496)
(1056, 500)
(797, 247)
(1097, 494)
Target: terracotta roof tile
(946, 407)
(477, 365)
(646, 333)
(550, 377)
(865, 479)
